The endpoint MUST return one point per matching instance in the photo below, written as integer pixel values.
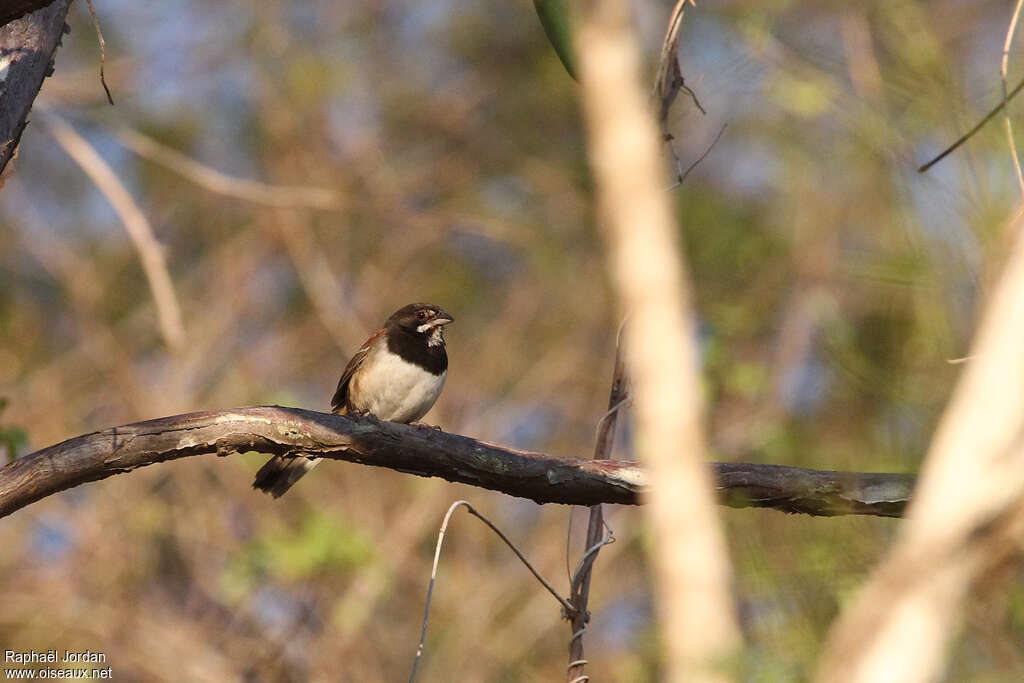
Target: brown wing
(339, 403)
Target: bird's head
(423, 319)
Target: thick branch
(426, 453)
(27, 48)
(16, 9)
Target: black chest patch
(412, 347)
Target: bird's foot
(424, 425)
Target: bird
(396, 375)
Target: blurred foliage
(12, 439)
(319, 545)
(834, 285)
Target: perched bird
(396, 375)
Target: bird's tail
(280, 472)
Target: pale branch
(27, 49)
(426, 452)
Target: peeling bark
(27, 49)
(16, 9)
(424, 452)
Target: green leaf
(554, 17)
(12, 439)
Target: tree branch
(580, 582)
(16, 9)
(427, 453)
(27, 48)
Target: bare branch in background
(580, 583)
(969, 503)
(103, 51)
(542, 478)
(682, 176)
(136, 224)
(668, 83)
(669, 80)
(969, 134)
(689, 556)
(324, 289)
(1010, 31)
(27, 50)
(222, 183)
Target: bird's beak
(441, 319)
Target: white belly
(396, 391)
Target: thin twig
(568, 545)
(151, 254)
(222, 183)
(605, 427)
(323, 287)
(579, 581)
(580, 587)
(669, 79)
(693, 97)
(430, 586)
(701, 158)
(669, 82)
(103, 51)
(601, 429)
(978, 126)
(551, 589)
(1010, 30)
(587, 561)
(437, 556)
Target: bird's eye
(420, 315)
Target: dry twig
(437, 557)
(580, 580)
(324, 289)
(103, 51)
(1010, 31)
(222, 183)
(969, 134)
(668, 83)
(136, 224)
(682, 176)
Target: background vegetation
(834, 285)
